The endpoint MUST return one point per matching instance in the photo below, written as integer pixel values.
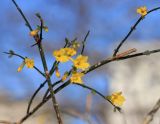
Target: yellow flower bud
(21, 67)
(57, 73)
(65, 76)
(34, 32)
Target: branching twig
(56, 83)
(131, 30)
(151, 114)
(42, 85)
(53, 85)
(34, 94)
(101, 63)
(83, 42)
(15, 54)
(20, 11)
(43, 102)
(95, 66)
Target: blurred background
(108, 21)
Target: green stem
(55, 105)
(38, 40)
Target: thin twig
(7, 122)
(41, 30)
(53, 85)
(43, 102)
(83, 42)
(108, 60)
(15, 54)
(20, 11)
(132, 29)
(151, 114)
(34, 94)
(98, 93)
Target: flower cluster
(80, 62)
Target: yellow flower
(29, 62)
(57, 73)
(34, 32)
(64, 54)
(116, 98)
(77, 78)
(81, 62)
(142, 10)
(21, 67)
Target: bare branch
(7, 122)
(83, 42)
(95, 66)
(34, 94)
(132, 29)
(151, 114)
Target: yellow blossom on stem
(34, 32)
(45, 28)
(81, 62)
(77, 78)
(64, 54)
(29, 62)
(65, 76)
(116, 98)
(142, 10)
(75, 45)
(57, 73)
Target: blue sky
(108, 21)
